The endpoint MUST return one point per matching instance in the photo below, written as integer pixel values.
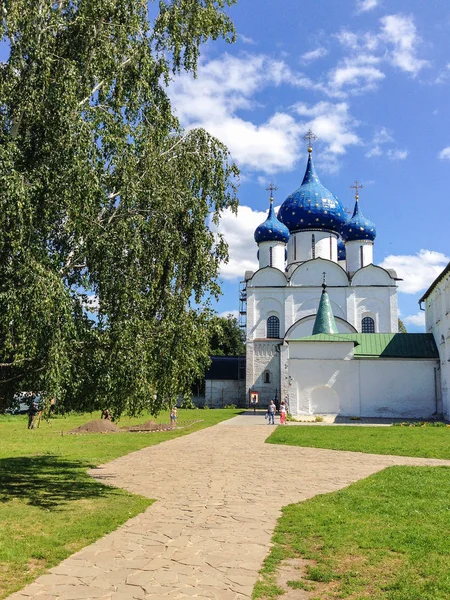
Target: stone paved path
(219, 493)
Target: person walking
(173, 416)
(271, 413)
(32, 412)
(283, 413)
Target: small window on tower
(273, 327)
(270, 256)
(266, 377)
(313, 245)
(361, 257)
(295, 248)
(368, 325)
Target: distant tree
(226, 337)
(401, 327)
(104, 201)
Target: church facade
(322, 319)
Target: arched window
(361, 256)
(270, 256)
(368, 325)
(313, 245)
(266, 376)
(273, 327)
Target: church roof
(312, 206)
(383, 345)
(358, 227)
(272, 230)
(324, 323)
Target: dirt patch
(292, 577)
(150, 426)
(97, 426)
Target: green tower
(324, 322)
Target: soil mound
(151, 426)
(97, 426)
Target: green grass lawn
(49, 506)
(427, 442)
(384, 538)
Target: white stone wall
(278, 255)
(307, 245)
(326, 379)
(353, 254)
(263, 357)
(437, 322)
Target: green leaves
(102, 194)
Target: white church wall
(263, 358)
(437, 322)
(311, 274)
(357, 250)
(324, 386)
(259, 309)
(277, 260)
(304, 327)
(267, 277)
(324, 379)
(402, 389)
(372, 275)
(306, 245)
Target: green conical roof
(324, 322)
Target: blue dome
(342, 254)
(312, 206)
(358, 227)
(272, 230)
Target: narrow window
(270, 256)
(295, 247)
(361, 256)
(266, 376)
(368, 325)
(313, 245)
(273, 327)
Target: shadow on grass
(47, 482)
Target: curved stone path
(219, 493)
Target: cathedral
(322, 318)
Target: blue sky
(372, 79)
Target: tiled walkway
(219, 493)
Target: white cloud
(238, 231)
(246, 40)
(445, 153)
(312, 55)
(334, 126)
(380, 139)
(399, 31)
(417, 320)
(395, 43)
(229, 85)
(396, 154)
(365, 5)
(444, 76)
(359, 78)
(417, 271)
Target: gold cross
(358, 186)
(271, 188)
(311, 137)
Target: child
(173, 416)
(283, 413)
